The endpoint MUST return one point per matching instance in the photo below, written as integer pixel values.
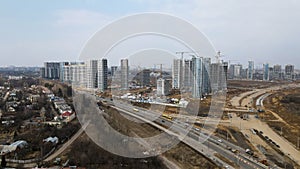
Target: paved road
(193, 139)
(235, 101)
(67, 144)
(6, 96)
(191, 142)
(247, 97)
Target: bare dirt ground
(272, 154)
(246, 84)
(237, 87)
(284, 114)
(187, 158)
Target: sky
(35, 31)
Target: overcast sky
(35, 31)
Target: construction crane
(230, 61)
(183, 52)
(218, 56)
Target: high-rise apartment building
(277, 72)
(67, 73)
(218, 76)
(266, 72)
(42, 72)
(215, 76)
(250, 71)
(198, 77)
(124, 73)
(289, 72)
(102, 74)
(223, 74)
(206, 75)
(188, 75)
(92, 73)
(52, 70)
(163, 86)
(78, 77)
(235, 71)
(62, 65)
(113, 70)
(177, 74)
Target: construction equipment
(183, 52)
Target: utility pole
(238, 160)
(298, 143)
(161, 71)
(241, 125)
(207, 145)
(227, 136)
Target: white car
(220, 141)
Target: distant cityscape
(197, 75)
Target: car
(220, 141)
(197, 129)
(248, 151)
(234, 150)
(260, 132)
(253, 132)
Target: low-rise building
(163, 86)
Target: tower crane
(218, 56)
(183, 52)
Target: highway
(198, 140)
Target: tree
(3, 162)
(60, 93)
(69, 91)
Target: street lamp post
(241, 125)
(298, 143)
(207, 145)
(227, 136)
